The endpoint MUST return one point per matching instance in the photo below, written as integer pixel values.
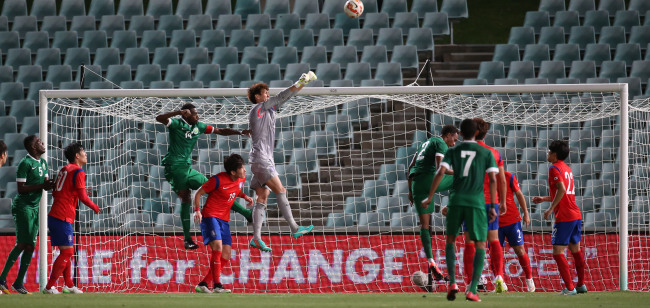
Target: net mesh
(343, 160)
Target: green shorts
(420, 186)
(182, 177)
(26, 221)
(475, 220)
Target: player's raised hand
(186, 113)
(492, 215)
(197, 217)
(246, 132)
(538, 199)
(306, 78)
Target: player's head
(34, 145)
(258, 93)
(449, 134)
(75, 153)
(557, 150)
(468, 129)
(483, 128)
(193, 118)
(3, 153)
(234, 165)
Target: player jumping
(421, 172)
(510, 227)
(31, 180)
(222, 189)
(470, 163)
(568, 218)
(70, 187)
(183, 134)
(261, 122)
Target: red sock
(579, 260)
(67, 277)
(468, 260)
(208, 277)
(524, 261)
(496, 258)
(563, 267)
(215, 265)
(59, 266)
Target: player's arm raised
(197, 205)
(164, 118)
(286, 94)
(227, 131)
(523, 206)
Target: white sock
(285, 209)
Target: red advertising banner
(318, 263)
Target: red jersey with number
(486, 183)
(512, 213)
(70, 178)
(222, 192)
(567, 209)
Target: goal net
(342, 154)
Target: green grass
(374, 300)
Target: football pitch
(96, 300)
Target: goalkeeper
(183, 135)
(261, 122)
(421, 171)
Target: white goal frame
(621, 88)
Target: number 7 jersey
(567, 209)
(470, 161)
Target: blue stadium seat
(345, 23)
(271, 38)
(537, 20)
(521, 36)
(195, 56)
(214, 8)
(182, 39)
(247, 7)
(582, 70)
(82, 23)
(438, 22)
(130, 9)
(35, 87)
(629, 52)
(491, 70)
(295, 70)
(506, 53)
(627, 19)
(582, 36)
(287, 22)
(566, 20)
(212, 39)
(228, 23)
(567, 53)
(177, 73)
(360, 38)
(225, 56)
(375, 21)
(112, 23)
(536, 53)
(237, 73)
(390, 37)
(141, 23)
(253, 56)
(266, 72)
(136, 56)
(157, 8)
(283, 56)
(165, 56)
(45, 57)
(258, 22)
(596, 19)
(124, 39)
(241, 38)
(390, 73)
(613, 36)
(612, 70)
(328, 72)
(207, 73)
(405, 21)
(330, 38)
(106, 56)
(146, 73)
(597, 53)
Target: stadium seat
(295, 70)
(567, 53)
(536, 53)
(21, 109)
(124, 39)
(65, 40)
(283, 56)
(582, 70)
(521, 36)
(237, 73)
(582, 6)
(596, 19)
(640, 69)
(35, 40)
(45, 57)
(330, 38)
(612, 70)
(551, 36)
(94, 40)
(265, 72)
(10, 91)
(247, 7)
(406, 56)
(17, 57)
(520, 70)
(405, 21)
(112, 23)
(403, 220)
(177, 73)
(241, 38)
(491, 70)
(280, 84)
(613, 36)
(14, 141)
(212, 39)
(392, 173)
(506, 53)
(141, 23)
(639, 5)
(627, 20)
(597, 188)
(207, 73)
(271, 38)
(228, 23)
(633, 83)
(371, 219)
(345, 23)
(306, 160)
(390, 37)
(165, 56)
(130, 9)
(135, 57)
(422, 38)
(81, 24)
(182, 39)
(533, 155)
(225, 56)
(288, 22)
(640, 35)
(582, 36)
(328, 72)
(375, 21)
(301, 38)
(146, 73)
(24, 24)
(275, 7)
(360, 38)
(344, 55)
(308, 123)
(29, 73)
(302, 8)
(628, 52)
(537, 20)
(339, 220)
(392, 7)
(194, 56)
(52, 24)
(35, 87)
(438, 22)
(566, 20)
(324, 142)
(373, 189)
(358, 72)
(376, 54)
(253, 56)
(157, 8)
(188, 8)
(106, 56)
(597, 53)
(316, 22)
(258, 22)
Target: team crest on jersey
(195, 131)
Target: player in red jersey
(510, 227)
(222, 190)
(568, 218)
(70, 187)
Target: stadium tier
(343, 162)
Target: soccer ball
(353, 8)
(420, 279)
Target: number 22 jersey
(567, 209)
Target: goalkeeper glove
(305, 79)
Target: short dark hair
(188, 106)
(3, 147)
(448, 129)
(468, 128)
(256, 89)
(560, 148)
(233, 162)
(27, 142)
(72, 150)
(482, 127)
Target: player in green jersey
(183, 135)
(31, 179)
(470, 162)
(421, 171)
(3, 153)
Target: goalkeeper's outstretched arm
(285, 95)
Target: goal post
(352, 257)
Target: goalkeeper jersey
(425, 159)
(182, 138)
(31, 172)
(261, 122)
(470, 162)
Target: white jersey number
(60, 179)
(468, 163)
(232, 196)
(424, 148)
(571, 189)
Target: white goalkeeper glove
(305, 79)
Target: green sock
(25, 260)
(242, 210)
(425, 236)
(185, 219)
(11, 259)
(450, 256)
(479, 258)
